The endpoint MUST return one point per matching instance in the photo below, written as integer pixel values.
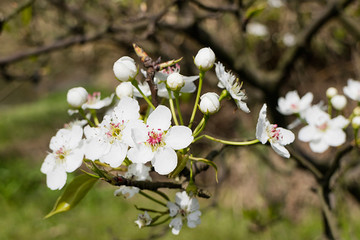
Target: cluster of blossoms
(324, 127)
(137, 145)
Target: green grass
(25, 199)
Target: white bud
(209, 103)
(331, 92)
(356, 111)
(175, 81)
(356, 122)
(338, 102)
(125, 69)
(77, 96)
(124, 89)
(205, 59)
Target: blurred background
(274, 46)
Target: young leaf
(73, 194)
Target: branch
(143, 185)
(57, 45)
(231, 8)
(16, 12)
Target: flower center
(294, 106)
(155, 139)
(322, 127)
(61, 154)
(115, 131)
(274, 133)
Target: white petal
(165, 161)
(140, 154)
(127, 109)
(160, 118)
(178, 137)
(48, 164)
(339, 122)
(173, 209)
(116, 155)
(129, 134)
(193, 219)
(189, 87)
(287, 136)
(306, 134)
(280, 149)
(319, 146)
(261, 126)
(56, 179)
(193, 205)
(94, 148)
(334, 137)
(74, 160)
(305, 101)
(176, 225)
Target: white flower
(322, 131)
(289, 39)
(126, 192)
(184, 208)
(125, 69)
(157, 141)
(352, 90)
(338, 102)
(257, 29)
(76, 97)
(109, 141)
(67, 156)
(232, 85)
(205, 59)
(275, 3)
(209, 103)
(175, 81)
(277, 136)
(143, 220)
(331, 92)
(292, 104)
(124, 89)
(94, 101)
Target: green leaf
(73, 194)
(255, 10)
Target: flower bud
(331, 92)
(77, 96)
(209, 103)
(205, 59)
(355, 122)
(356, 111)
(338, 102)
(124, 89)
(175, 81)
(125, 69)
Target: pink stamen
(154, 138)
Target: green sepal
(182, 161)
(73, 194)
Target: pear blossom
(322, 131)
(124, 89)
(275, 3)
(257, 29)
(126, 192)
(228, 81)
(109, 141)
(338, 102)
(77, 96)
(175, 81)
(94, 101)
(66, 156)
(143, 220)
(293, 104)
(355, 122)
(125, 69)
(209, 103)
(352, 90)
(156, 141)
(277, 136)
(204, 59)
(184, 208)
(289, 39)
(331, 92)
